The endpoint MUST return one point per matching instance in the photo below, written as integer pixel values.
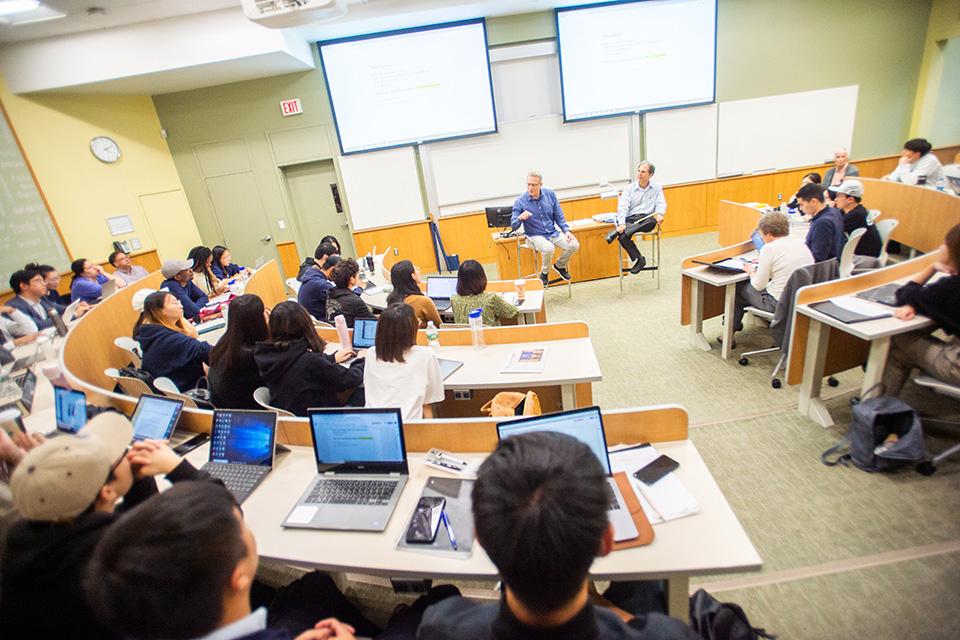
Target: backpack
(513, 403)
(715, 620)
(872, 445)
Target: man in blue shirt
(540, 213)
(178, 276)
(825, 237)
(641, 209)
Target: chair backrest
(169, 388)
(885, 228)
(131, 346)
(294, 285)
(872, 215)
(846, 258)
(262, 396)
(131, 386)
(812, 274)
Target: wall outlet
(396, 252)
(463, 394)
(779, 197)
(281, 224)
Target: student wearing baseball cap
(178, 280)
(847, 198)
(66, 491)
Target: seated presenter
(641, 209)
(540, 213)
(939, 301)
(917, 165)
(780, 256)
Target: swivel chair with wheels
(929, 467)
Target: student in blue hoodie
(178, 276)
(315, 285)
(170, 345)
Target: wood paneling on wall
(412, 241)
(289, 259)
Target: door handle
(266, 239)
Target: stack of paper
(666, 499)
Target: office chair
(846, 258)
(133, 387)
(169, 388)
(872, 215)
(929, 467)
(885, 228)
(262, 396)
(781, 319)
(131, 347)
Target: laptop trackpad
(352, 518)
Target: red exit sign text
(291, 107)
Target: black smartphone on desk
(425, 520)
(656, 470)
(187, 446)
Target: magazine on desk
(526, 360)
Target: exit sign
(291, 107)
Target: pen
(446, 523)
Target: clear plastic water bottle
(433, 336)
(476, 329)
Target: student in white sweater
(399, 372)
(780, 256)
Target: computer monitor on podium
(499, 217)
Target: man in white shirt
(641, 209)
(916, 164)
(124, 269)
(780, 256)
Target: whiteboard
(789, 130)
(382, 187)
(479, 170)
(682, 143)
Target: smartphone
(425, 520)
(189, 445)
(656, 470)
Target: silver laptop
(361, 470)
(440, 289)
(155, 417)
(586, 425)
(242, 449)
(108, 288)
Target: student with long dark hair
(471, 294)
(399, 372)
(233, 369)
(169, 344)
(343, 300)
(296, 370)
(405, 278)
(202, 260)
(222, 266)
(88, 281)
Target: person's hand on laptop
(152, 458)
(343, 354)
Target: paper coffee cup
(521, 286)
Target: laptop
(364, 333)
(361, 470)
(71, 411)
(108, 288)
(155, 417)
(26, 382)
(440, 289)
(447, 367)
(757, 239)
(586, 425)
(242, 449)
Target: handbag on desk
(512, 403)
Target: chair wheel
(833, 382)
(775, 383)
(926, 468)
(743, 362)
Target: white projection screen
(407, 87)
(633, 57)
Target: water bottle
(53, 373)
(342, 332)
(476, 329)
(55, 317)
(433, 336)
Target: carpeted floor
(846, 554)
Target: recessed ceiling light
(10, 7)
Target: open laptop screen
(155, 417)
(583, 424)
(357, 436)
(757, 239)
(245, 437)
(71, 409)
(364, 333)
(441, 287)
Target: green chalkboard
(27, 232)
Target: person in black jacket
(848, 197)
(296, 370)
(939, 301)
(233, 370)
(169, 344)
(343, 300)
(66, 491)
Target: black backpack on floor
(715, 620)
(873, 422)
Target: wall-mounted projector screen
(636, 56)
(411, 86)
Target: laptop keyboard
(362, 492)
(612, 497)
(239, 478)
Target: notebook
(155, 417)
(361, 470)
(586, 425)
(71, 410)
(241, 449)
(440, 289)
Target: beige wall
(944, 24)
(55, 132)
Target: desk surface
(869, 329)
(712, 541)
(532, 303)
